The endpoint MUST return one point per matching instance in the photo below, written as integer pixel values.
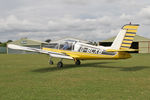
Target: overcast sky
(83, 19)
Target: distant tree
(3, 44)
(95, 43)
(0, 44)
(48, 40)
(9, 41)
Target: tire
(59, 65)
(78, 62)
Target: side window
(54, 46)
(66, 46)
(61, 46)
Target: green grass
(29, 77)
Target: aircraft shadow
(97, 64)
(132, 68)
(69, 66)
(135, 68)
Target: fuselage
(85, 51)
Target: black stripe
(131, 32)
(125, 43)
(131, 25)
(129, 36)
(125, 47)
(127, 40)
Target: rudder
(131, 30)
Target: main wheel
(51, 62)
(78, 62)
(60, 65)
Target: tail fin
(125, 37)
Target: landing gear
(60, 64)
(50, 61)
(77, 62)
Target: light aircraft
(76, 50)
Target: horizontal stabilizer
(123, 50)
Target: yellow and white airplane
(76, 50)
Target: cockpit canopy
(63, 45)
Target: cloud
(86, 19)
(145, 12)
(13, 24)
(58, 27)
(125, 17)
(76, 2)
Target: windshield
(63, 45)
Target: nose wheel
(50, 61)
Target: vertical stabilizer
(125, 37)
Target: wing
(51, 53)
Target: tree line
(4, 44)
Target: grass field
(29, 77)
